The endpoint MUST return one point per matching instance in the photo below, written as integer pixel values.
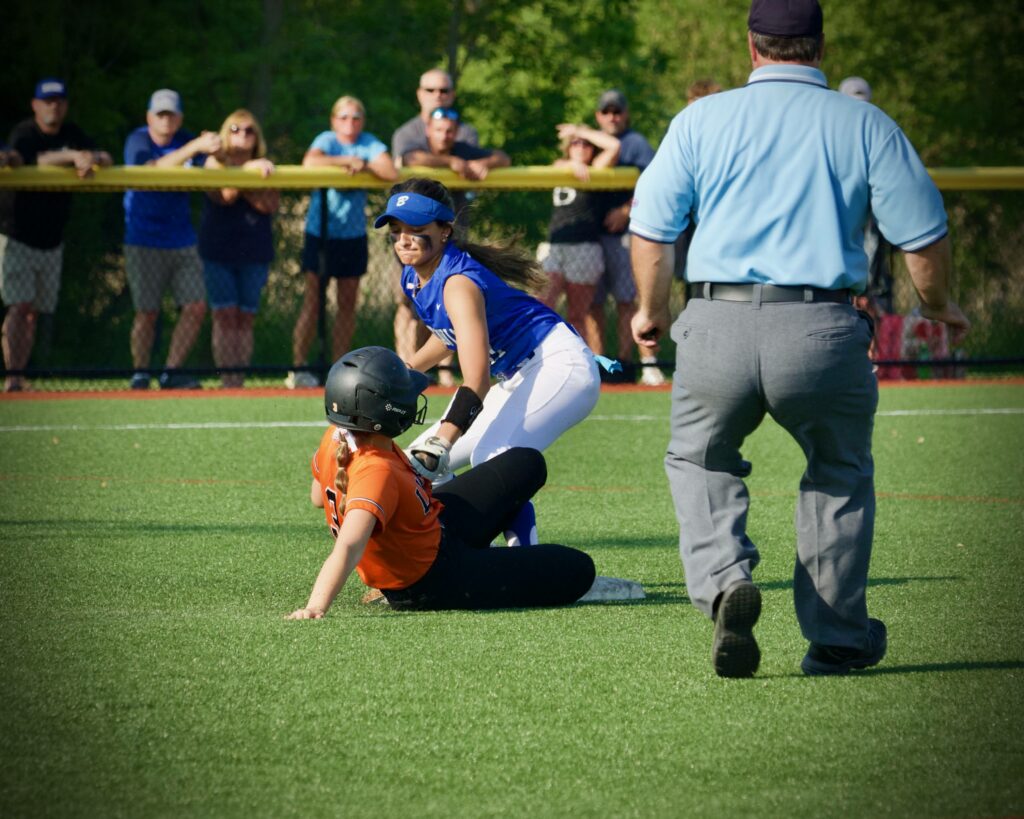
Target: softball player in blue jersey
(468, 296)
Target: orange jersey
(405, 540)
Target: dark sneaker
(734, 652)
(843, 659)
(177, 381)
(140, 381)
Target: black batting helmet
(371, 390)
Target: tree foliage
(952, 74)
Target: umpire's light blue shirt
(779, 176)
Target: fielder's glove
(431, 458)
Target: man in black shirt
(33, 226)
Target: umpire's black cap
(785, 18)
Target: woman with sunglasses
(346, 147)
(572, 256)
(236, 245)
(471, 296)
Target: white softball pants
(551, 392)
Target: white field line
(320, 424)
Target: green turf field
(151, 548)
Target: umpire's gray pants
(806, 364)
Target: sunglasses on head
(437, 90)
(248, 130)
(611, 110)
(445, 113)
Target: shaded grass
(146, 670)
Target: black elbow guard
(464, 408)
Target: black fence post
(321, 319)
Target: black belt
(768, 293)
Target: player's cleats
(734, 652)
(522, 531)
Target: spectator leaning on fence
(32, 232)
(344, 249)
(160, 242)
(445, 150)
(572, 255)
(236, 244)
(436, 90)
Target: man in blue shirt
(160, 242)
(778, 177)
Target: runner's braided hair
(344, 458)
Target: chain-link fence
(96, 313)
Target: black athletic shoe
(734, 652)
(140, 381)
(177, 381)
(843, 659)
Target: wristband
(464, 409)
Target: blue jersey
(152, 218)
(516, 321)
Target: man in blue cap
(32, 232)
(778, 177)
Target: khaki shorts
(30, 275)
(578, 262)
(151, 270)
(618, 277)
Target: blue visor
(414, 209)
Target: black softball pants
(467, 573)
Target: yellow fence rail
(295, 177)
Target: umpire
(778, 177)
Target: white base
(607, 589)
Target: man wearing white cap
(160, 242)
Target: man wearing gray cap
(779, 176)
(160, 242)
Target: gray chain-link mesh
(79, 330)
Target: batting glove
(431, 458)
